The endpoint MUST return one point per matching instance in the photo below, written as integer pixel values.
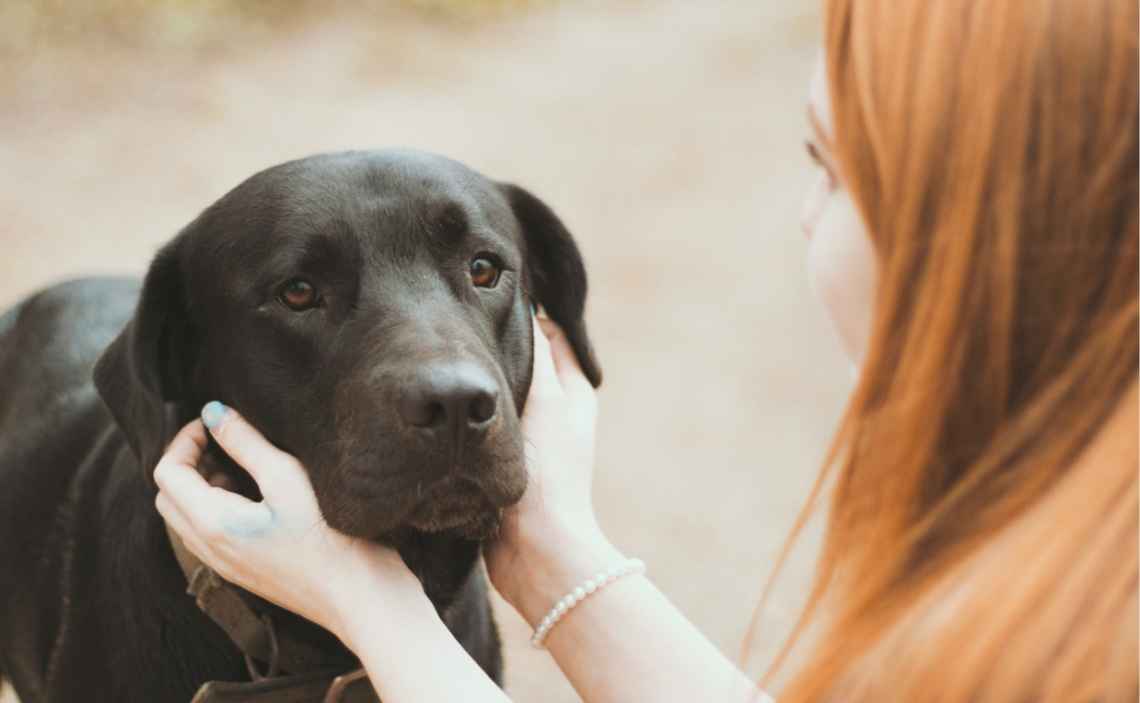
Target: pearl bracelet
(579, 594)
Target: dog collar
(282, 669)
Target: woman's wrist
(425, 662)
(378, 594)
(551, 560)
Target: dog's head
(370, 313)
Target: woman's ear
(147, 365)
(555, 276)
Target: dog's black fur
(92, 602)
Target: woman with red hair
(974, 238)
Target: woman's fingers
(565, 361)
(181, 525)
(274, 471)
(171, 514)
(207, 509)
(177, 476)
(544, 378)
(187, 446)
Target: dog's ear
(555, 275)
(147, 365)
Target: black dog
(370, 312)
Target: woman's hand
(279, 548)
(558, 425)
(550, 540)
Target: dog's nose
(453, 399)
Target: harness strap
(254, 635)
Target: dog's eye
(484, 272)
(299, 294)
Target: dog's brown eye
(484, 273)
(299, 294)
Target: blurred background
(667, 134)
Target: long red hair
(982, 533)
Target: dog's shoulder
(92, 309)
(50, 341)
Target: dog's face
(370, 313)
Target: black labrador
(370, 312)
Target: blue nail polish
(213, 413)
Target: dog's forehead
(358, 190)
(346, 205)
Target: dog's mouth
(455, 505)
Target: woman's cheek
(814, 202)
(842, 269)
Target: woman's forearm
(410, 655)
(626, 642)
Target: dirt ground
(667, 134)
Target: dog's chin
(455, 506)
(476, 526)
(458, 507)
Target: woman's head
(990, 152)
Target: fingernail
(213, 413)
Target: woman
(974, 237)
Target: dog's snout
(453, 399)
